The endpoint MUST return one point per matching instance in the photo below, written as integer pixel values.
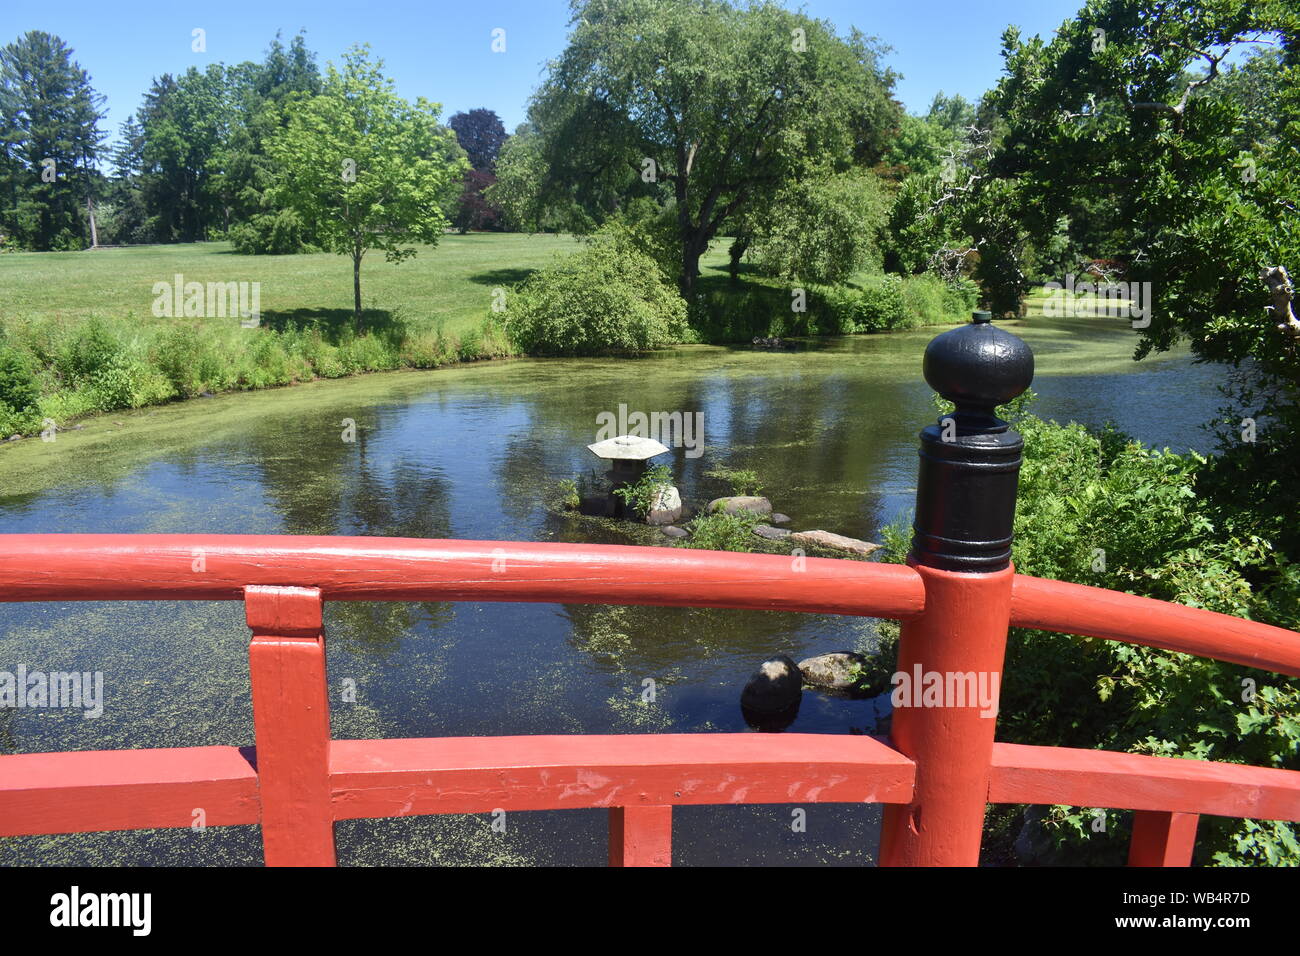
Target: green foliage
(640, 495)
(18, 387)
(569, 495)
(724, 532)
(823, 228)
(278, 234)
(743, 481)
(610, 297)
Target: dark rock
(772, 534)
(778, 518)
(776, 686)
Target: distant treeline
(190, 164)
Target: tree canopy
(718, 104)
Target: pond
(470, 453)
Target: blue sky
(443, 50)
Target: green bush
(640, 495)
(90, 348)
(881, 306)
(924, 301)
(608, 298)
(18, 388)
(720, 531)
(279, 233)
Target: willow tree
(366, 168)
(716, 106)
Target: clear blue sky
(442, 50)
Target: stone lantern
(628, 455)
(629, 458)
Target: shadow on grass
(501, 277)
(336, 324)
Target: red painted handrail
(121, 567)
(297, 782)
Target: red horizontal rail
(142, 789)
(383, 778)
(117, 567)
(1115, 616)
(1103, 778)
(83, 791)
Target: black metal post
(970, 460)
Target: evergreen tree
(49, 143)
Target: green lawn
(452, 281)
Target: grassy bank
(79, 333)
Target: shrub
(18, 388)
(720, 531)
(924, 301)
(90, 349)
(880, 306)
(278, 234)
(129, 383)
(608, 298)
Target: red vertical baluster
(286, 663)
(641, 836)
(1162, 838)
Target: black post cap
(978, 366)
(970, 461)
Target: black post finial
(970, 460)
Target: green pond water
(471, 453)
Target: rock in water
(738, 503)
(835, 542)
(772, 534)
(776, 686)
(665, 507)
(836, 671)
(673, 531)
(778, 518)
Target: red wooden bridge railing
(935, 776)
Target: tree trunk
(94, 232)
(356, 286)
(692, 249)
(737, 252)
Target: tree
(717, 105)
(184, 123)
(481, 134)
(49, 144)
(261, 97)
(368, 169)
(823, 229)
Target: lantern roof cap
(627, 448)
